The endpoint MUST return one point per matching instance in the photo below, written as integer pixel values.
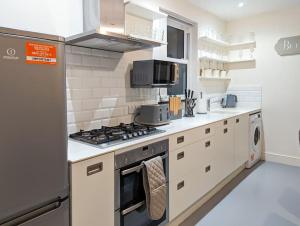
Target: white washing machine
(255, 145)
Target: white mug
(223, 74)
(207, 73)
(216, 73)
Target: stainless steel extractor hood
(104, 28)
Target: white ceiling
(229, 10)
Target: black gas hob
(108, 136)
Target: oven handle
(132, 208)
(137, 168)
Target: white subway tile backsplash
(101, 92)
(74, 83)
(91, 82)
(112, 102)
(247, 95)
(110, 122)
(98, 88)
(91, 61)
(79, 71)
(82, 116)
(81, 50)
(91, 104)
(73, 59)
(74, 105)
(80, 94)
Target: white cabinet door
(225, 161)
(241, 139)
(182, 193)
(191, 171)
(92, 192)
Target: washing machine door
(256, 139)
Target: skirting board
(283, 159)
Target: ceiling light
(241, 4)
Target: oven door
(133, 210)
(165, 73)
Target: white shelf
(214, 78)
(221, 43)
(214, 41)
(213, 59)
(140, 11)
(241, 61)
(243, 45)
(228, 61)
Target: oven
(130, 201)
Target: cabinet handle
(93, 169)
(180, 140)
(207, 169)
(207, 131)
(180, 155)
(225, 130)
(180, 185)
(207, 144)
(237, 120)
(225, 122)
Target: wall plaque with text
(288, 46)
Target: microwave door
(161, 73)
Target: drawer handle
(207, 131)
(180, 140)
(180, 155)
(225, 130)
(93, 169)
(225, 122)
(180, 185)
(207, 169)
(207, 144)
(237, 120)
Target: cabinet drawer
(180, 140)
(92, 191)
(227, 122)
(191, 157)
(184, 160)
(189, 188)
(182, 193)
(208, 130)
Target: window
(178, 37)
(175, 48)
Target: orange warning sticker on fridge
(40, 53)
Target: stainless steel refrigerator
(33, 136)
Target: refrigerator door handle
(33, 214)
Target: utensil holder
(189, 107)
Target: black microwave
(154, 73)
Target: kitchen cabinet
(225, 149)
(241, 139)
(146, 23)
(191, 168)
(92, 191)
(185, 138)
(202, 157)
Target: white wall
(280, 79)
(59, 17)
